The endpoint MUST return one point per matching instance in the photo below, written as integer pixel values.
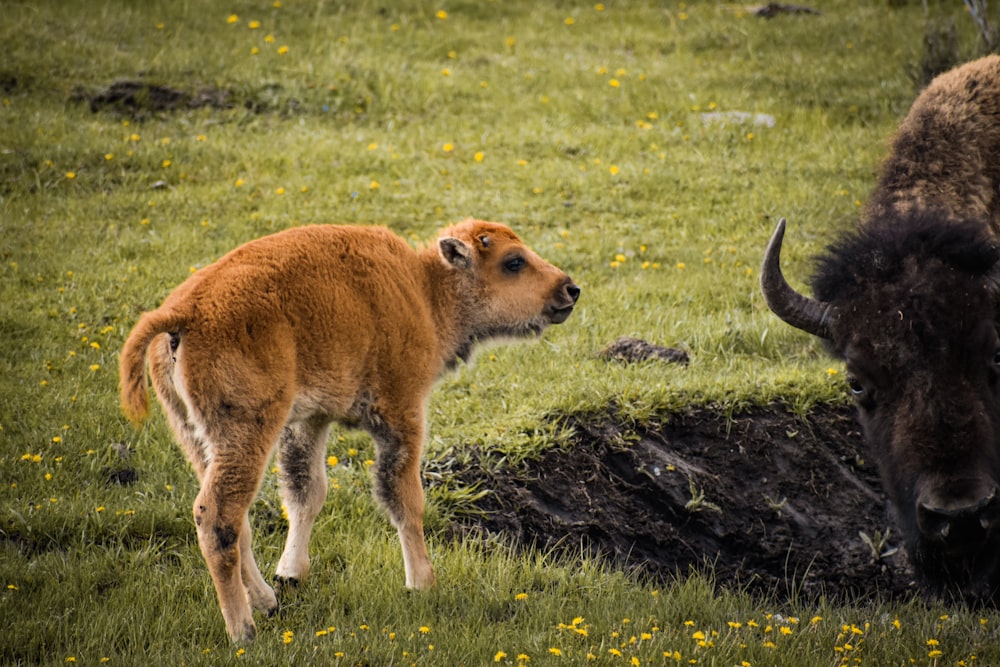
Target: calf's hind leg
(220, 511)
(301, 458)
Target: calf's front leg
(398, 487)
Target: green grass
(582, 129)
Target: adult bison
(268, 346)
(911, 301)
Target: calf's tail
(132, 363)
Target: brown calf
(289, 333)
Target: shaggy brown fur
(284, 335)
(945, 156)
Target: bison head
(911, 306)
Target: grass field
(603, 133)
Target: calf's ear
(455, 252)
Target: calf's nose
(573, 291)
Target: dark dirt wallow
(763, 501)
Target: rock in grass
(628, 350)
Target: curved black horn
(795, 309)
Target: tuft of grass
(582, 125)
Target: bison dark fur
(910, 301)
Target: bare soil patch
(764, 501)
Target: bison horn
(795, 309)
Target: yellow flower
(253, 25)
(424, 629)
(269, 39)
(95, 367)
(599, 7)
(569, 20)
(499, 656)
(109, 156)
(521, 596)
(614, 83)
(446, 72)
(239, 183)
(555, 651)
(613, 169)
(442, 14)
(279, 191)
(282, 50)
(166, 163)
(71, 175)
(233, 18)
(287, 636)
(935, 654)
(447, 148)
(478, 157)
(332, 461)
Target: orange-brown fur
(286, 334)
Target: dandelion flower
(233, 18)
(95, 367)
(478, 157)
(448, 148)
(332, 461)
(442, 14)
(424, 629)
(615, 83)
(71, 175)
(613, 169)
(254, 25)
(521, 596)
(500, 655)
(555, 651)
(569, 20)
(282, 50)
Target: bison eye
(513, 264)
(996, 358)
(856, 388)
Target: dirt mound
(764, 501)
(139, 99)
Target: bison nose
(959, 523)
(573, 291)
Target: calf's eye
(856, 388)
(996, 358)
(513, 264)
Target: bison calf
(281, 337)
(911, 302)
